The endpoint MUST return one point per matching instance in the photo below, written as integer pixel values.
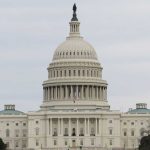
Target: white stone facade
(75, 112)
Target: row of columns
(74, 92)
(60, 127)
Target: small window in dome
(61, 73)
(74, 53)
(83, 73)
(77, 53)
(63, 53)
(78, 72)
(70, 53)
(88, 53)
(66, 53)
(91, 73)
(81, 53)
(85, 53)
(60, 54)
(74, 72)
(87, 73)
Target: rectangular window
(24, 144)
(16, 133)
(92, 141)
(110, 131)
(66, 132)
(55, 142)
(110, 142)
(37, 143)
(81, 142)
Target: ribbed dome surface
(75, 48)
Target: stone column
(62, 126)
(52, 92)
(48, 94)
(77, 91)
(71, 92)
(77, 127)
(101, 93)
(56, 93)
(95, 126)
(69, 127)
(105, 93)
(65, 88)
(84, 126)
(51, 128)
(88, 126)
(97, 92)
(87, 92)
(81, 92)
(43, 94)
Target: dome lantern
(74, 24)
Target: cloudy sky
(30, 31)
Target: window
(16, 144)
(81, 142)
(7, 124)
(125, 123)
(55, 132)
(132, 123)
(24, 133)
(78, 72)
(74, 73)
(110, 121)
(66, 132)
(81, 132)
(83, 73)
(16, 133)
(73, 132)
(37, 131)
(92, 132)
(92, 141)
(132, 133)
(66, 143)
(37, 122)
(24, 143)
(55, 142)
(61, 73)
(110, 142)
(69, 72)
(24, 124)
(37, 143)
(110, 131)
(7, 133)
(17, 124)
(7, 143)
(65, 73)
(125, 133)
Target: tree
(2, 145)
(145, 143)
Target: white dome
(75, 48)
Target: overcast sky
(30, 31)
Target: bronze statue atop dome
(74, 18)
(74, 8)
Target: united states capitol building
(75, 113)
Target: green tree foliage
(2, 145)
(145, 143)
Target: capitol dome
(75, 75)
